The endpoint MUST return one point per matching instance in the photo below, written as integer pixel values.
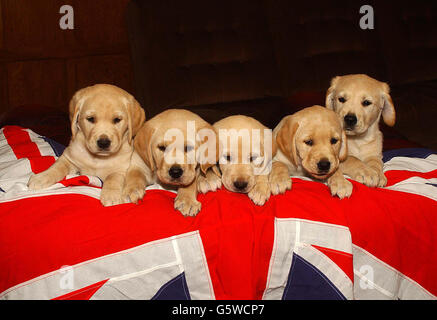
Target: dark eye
(116, 120)
(228, 158)
(334, 140)
(188, 148)
(253, 158)
(162, 148)
(91, 119)
(366, 103)
(342, 100)
(308, 142)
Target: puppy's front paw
(340, 187)
(110, 197)
(382, 180)
(367, 176)
(279, 183)
(186, 205)
(260, 193)
(40, 181)
(211, 182)
(134, 192)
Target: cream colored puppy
(244, 158)
(170, 149)
(360, 101)
(311, 142)
(104, 120)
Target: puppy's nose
(175, 172)
(103, 142)
(350, 120)
(240, 184)
(323, 165)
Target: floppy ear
(213, 143)
(143, 145)
(136, 117)
(216, 170)
(330, 94)
(343, 149)
(286, 139)
(74, 109)
(388, 109)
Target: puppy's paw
(260, 193)
(134, 192)
(40, 181)
(279, 183)
(210, 182)
(382, 180)
(340, 187)
(187, 206)
(110, 197)
(367, 176)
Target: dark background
(265, 58)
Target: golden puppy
(245, 158)
(171, 149)
(312, 142)
(360, 101)
(104, 120)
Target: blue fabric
(306, 282)
(58, 148)
(175, 289)
(407, 152)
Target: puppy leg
(55, 173)
(279, 178)
(360, 171)
(186, 200)
(209, 182)
(135, 185)
(260, 192)
(339, 186)
(377, 165)
(111, 194)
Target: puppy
(245, 158)
(171, 149)
(360, 101)
(312, 142)
(104, 120)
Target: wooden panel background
(42, 64)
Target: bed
(61, 243)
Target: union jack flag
(61, 243)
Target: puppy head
(313, 138)
(104, 116)
(360, 101)
(244, 152)
(175, 144)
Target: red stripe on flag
(84, 293)
(41, 164)
(23, 147)
(396, 176)
(20, 142)
(340, 258)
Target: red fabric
(20, 139)
(395, 176)
(342, 259)
(84, 293)
(237, 236)
(25, 148)
(40, 235)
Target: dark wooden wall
(42, 64)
